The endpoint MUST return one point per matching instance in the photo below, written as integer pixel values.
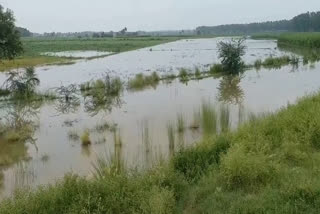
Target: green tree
(10, 44)
(231, 53)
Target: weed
(85, 138)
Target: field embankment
(271, 164)
(34, 47)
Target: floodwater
(141, 118)
(78, 54)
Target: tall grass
(208, 118)
(180, 123)
(171, 138)
(268, 165)
(276, 62)
(141, 81)
(224, 118)
(311, 40)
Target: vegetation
(216, 69)
(311, 40)
(10, 44)
(34, 47)
(141, 81)
(245, 171)
(231, 53)
(307, 22)
(22, 84)
(85, 138)
(180, 123)
(208, 119)
(110, 86)
(276, 62)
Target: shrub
(231, 54)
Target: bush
(231, 54)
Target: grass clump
(276, 62)
(184, 75)
(109, 86)
(208, 118)
(216, 69)
(85, 138)
(141, 81)
(197, 73)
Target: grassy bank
(269, 165)
(35, 46)
(306, 40)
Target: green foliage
(141, 81)
(231, 54)
(22, 84)
(216, 69)
(197, 73)
(10, 44)
(306, 22)
(183, 75)
(311, 40)
(276, 62)
(194, 162)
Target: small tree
(22, 83)
(10, 44)
(231, 53)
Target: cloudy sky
(105, 15)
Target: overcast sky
(105, 15)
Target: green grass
(208, 119)
(311, 40)
(142, 81)
(308, 39)
(216, 69)
(109, 86)
(35, 46)
(276, 62)
(269, 165)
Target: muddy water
(142, 117)
(77, 54)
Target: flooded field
(77, 54)
(141, 126)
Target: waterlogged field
(34, 49)
(142, 126)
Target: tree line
(306, 22)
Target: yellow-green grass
(29, 61)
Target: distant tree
(10, 44)
(231, 53)
(123, 31)
(24, 32)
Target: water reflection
(230, 90)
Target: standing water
(141, 126)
